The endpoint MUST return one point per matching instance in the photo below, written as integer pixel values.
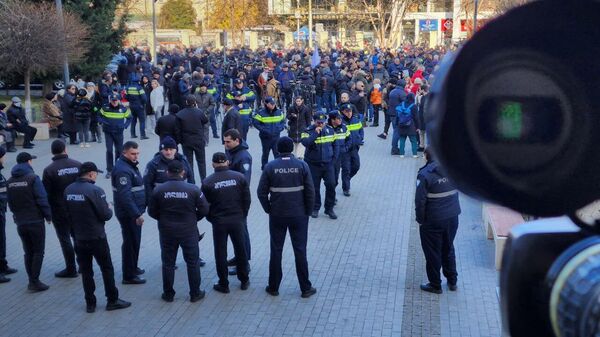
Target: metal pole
(59, 10)
(310, 23)
(153, 52)
(476, 4)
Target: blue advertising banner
(428, 25)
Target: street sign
(428, 25)
(447, 24)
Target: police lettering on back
(286, 170)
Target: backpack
(404, 115)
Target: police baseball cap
(237, 81)
(115, 97)
(24, 157)
(175, 166)
(219, 158)
(228, 102)
(87, 167)
(168, 143)
(269, 100)
(320, 116)
(334, 114)
(203, 84)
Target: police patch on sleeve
(418, 182)
(123, 180)
(246, 166)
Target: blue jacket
(240, 160)
(357, 133)
(27, 197)
(245, 111)
(320, 148)
(342, 137)
(128, 189)
(269, 123)
(86, 203)
(135, 95)
(436, 197)
(246, 92)
(286, 187)
(395, 98)
(284, 77)
(156, 172)
(114, 120)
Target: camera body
(513, 118)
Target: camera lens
(574, 285)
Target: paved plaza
(366, 266)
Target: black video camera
(514, 118)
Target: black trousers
(33, 237)
(197, 150)
(337, 167)
(350, 166)
(87, 251)
(29, 133)
(269, 143)
(64, 232)
(3, 262)
(437, 240)
(236, 233)
(130, 250)
(388, 122)
(298, 227)
(138, 114)
(376, 109)
(113, 140)
(325, 172)
(169, 244)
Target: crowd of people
(324, 100)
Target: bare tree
(35, 43)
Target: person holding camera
(437, 209)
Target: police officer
(240, 161)
(87, 207)
(167, 125)
(269, 122)
(156, 169)
(248, 95)
(205, 101)
(4, 268)
(319, 140)
(245, 110)
(191, 123)
(28, 202)
(341, 136)
(437, 209)
(178, 206)
(130, 204)
(57, 176)
(232, 118)
(114, 118)
(286, 192)
(137, 103)
(350, 158)
(228, 194)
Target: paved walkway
(367, 267)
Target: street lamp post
(59, 10)
(153, 52)
(475, 5)
(310, 22)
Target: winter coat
(52, 113)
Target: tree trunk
(27, 81)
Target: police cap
(175, 167)
(219, 158)
(87, 167)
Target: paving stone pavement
(367, 266)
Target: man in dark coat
(191, 123)
(16, 116)
(232, 118)
(299, 118)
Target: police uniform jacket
(240, 160)
(342, 137)
(190, 126)
(244, 109)
(228, 194)
(88, 209)
(178, 206)
(357, 133)
(27, 197)
(56, 177)
(167, 126)
(114, 119)
(3, 193)
(246, 92)
(320, 147)
(156, 171)
(128, 189)
(436, 197)
(286, 187)
(135, 96)
(269, 123)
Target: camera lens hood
(514, 115)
